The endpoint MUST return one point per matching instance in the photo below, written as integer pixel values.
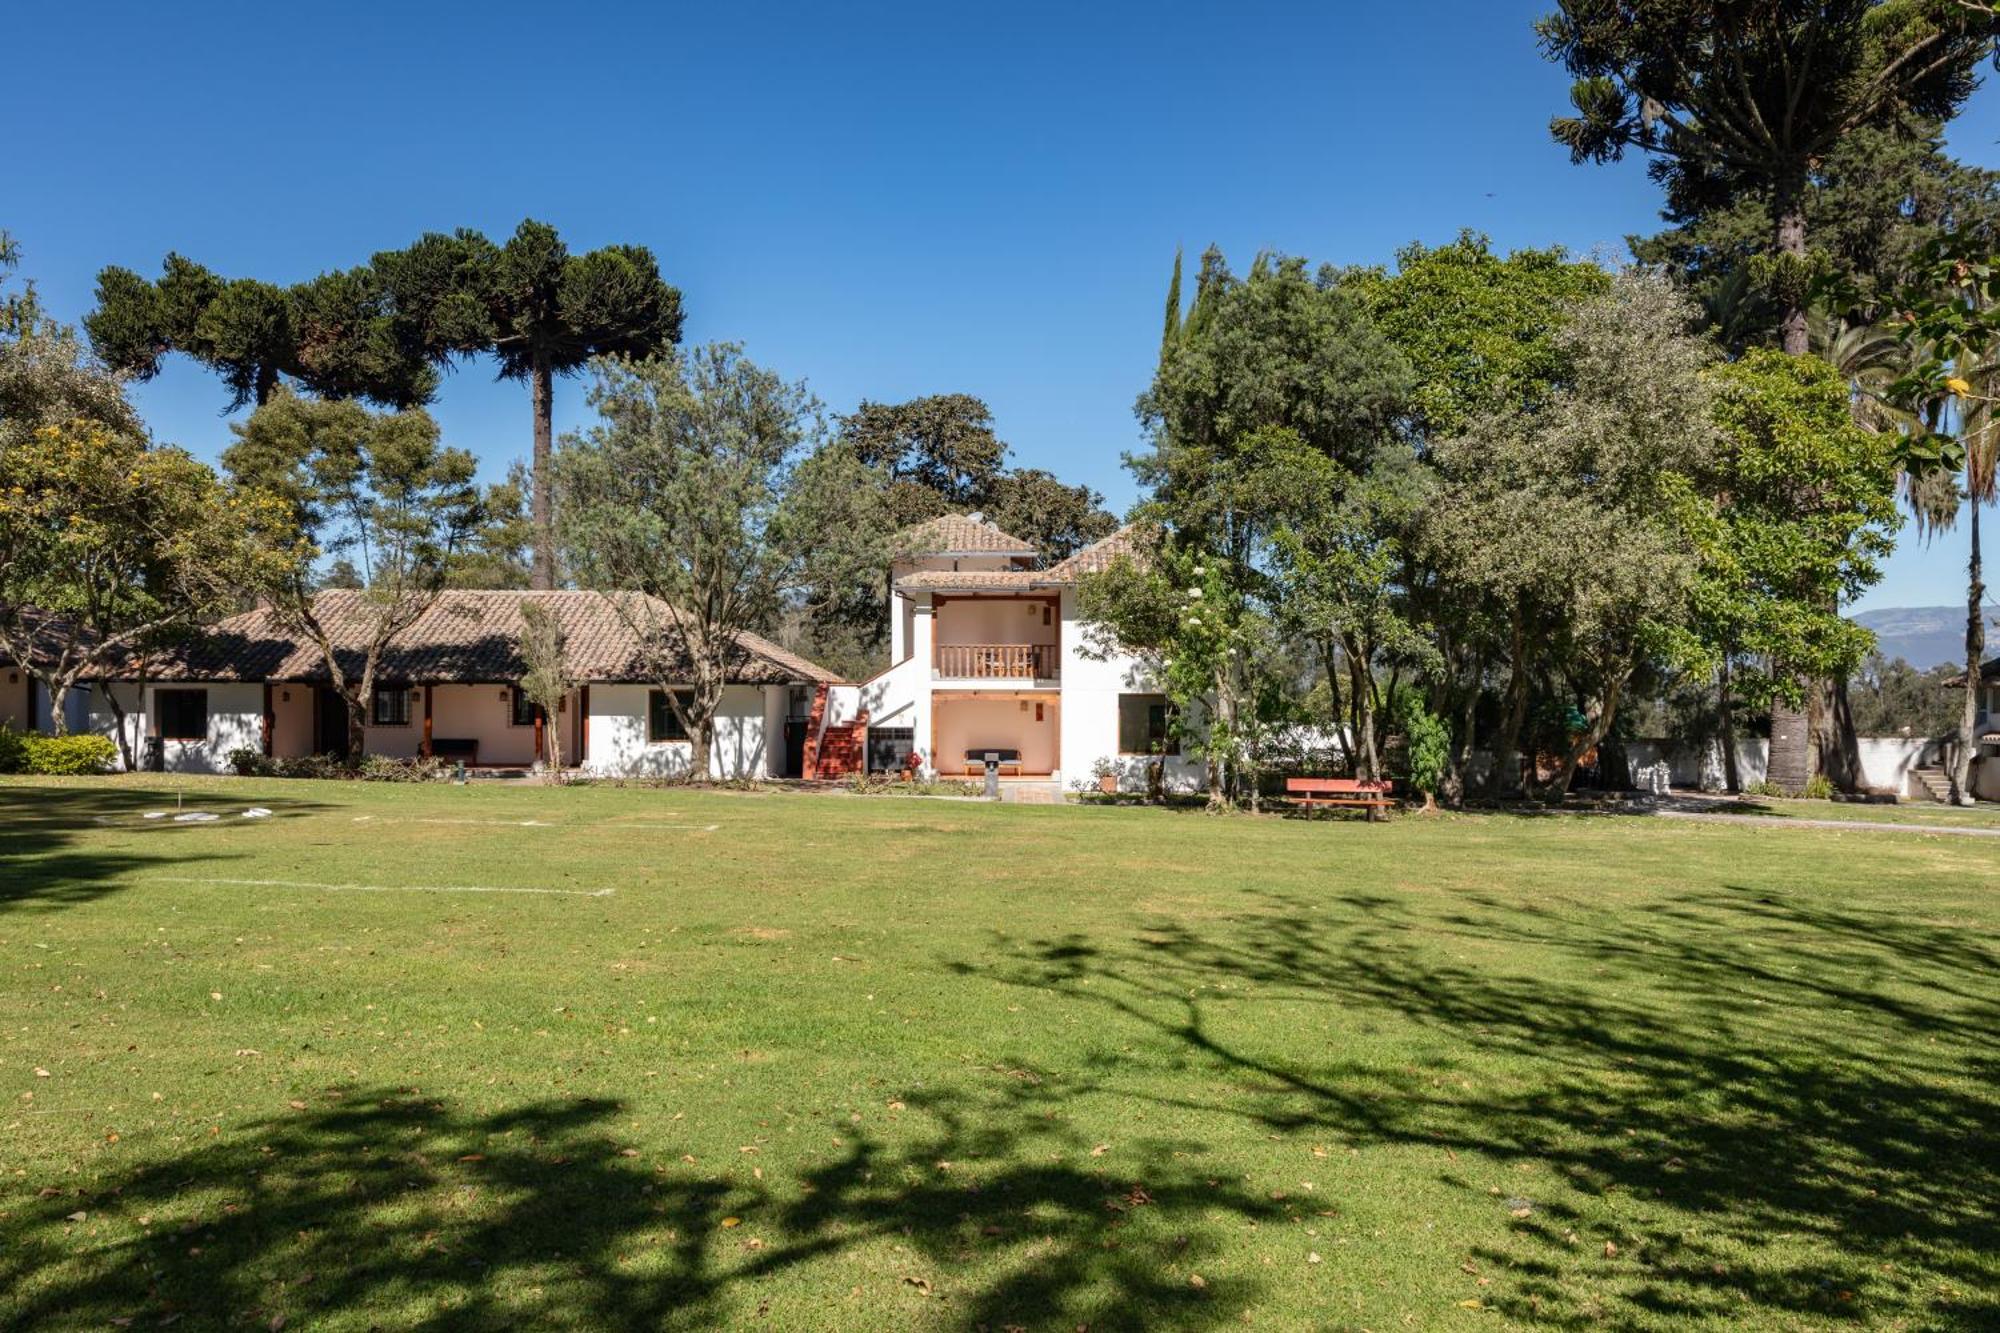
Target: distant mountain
(1923, 636)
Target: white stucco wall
(235, 721)
(1886, 763)
(745, 746)
(1090, 690)
(994, 620)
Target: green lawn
(1986, 814)
(882, 1063)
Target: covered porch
(485, 726)
(1023, 726)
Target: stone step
(1934, 783)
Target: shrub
(67, 756)
(1429, 745)
(1819, 788)
(250, 763)
(310, 766)
(1764, 789)
(13, 750)
(383, 768)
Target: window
(662, 722)
(391, 707)
(526, 711)
(889, 748)
(1145, 725)
(183, 714)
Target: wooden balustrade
(997, 661)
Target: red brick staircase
(833, 751)
(840, 750)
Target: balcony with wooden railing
(997, 661)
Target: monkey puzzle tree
(546, 312)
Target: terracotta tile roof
(42, 629)
(1092, 559)
(960, 534)
(1098, 556)
(973, 578)
(469, 636)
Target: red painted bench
(1309, 792)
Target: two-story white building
(990, 654)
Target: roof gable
(960, 534)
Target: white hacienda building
(990, 654)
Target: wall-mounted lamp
(506, 696)
(284, 696)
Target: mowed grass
(909, 1064)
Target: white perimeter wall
(746, 745)
(1886, 762)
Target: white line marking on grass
(485, 823)
(698, 828)
(372, 888)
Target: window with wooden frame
(390, 706)
(1145, 725)
(525, 711)
(662, 722)
(183, 714)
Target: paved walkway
(1864, 825)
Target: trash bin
(155, 760)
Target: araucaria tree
(548, 312)
(376, 489)
(1734, 97)
(697, 507)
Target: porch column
(427, 721)
(583, 725)
(923, 647)
(270, 720)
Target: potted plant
(1106, 775)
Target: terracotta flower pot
(1108, 783)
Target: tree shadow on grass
(54, 853)
(382, 1208)
(1776, 1109)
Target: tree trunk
(59, 699)
(1840, 747)
(357, 723)
(1791, 755)
(1369, 766)
(1225, 718)
(1507, 745)
(701, 744)
(1975, 649)
(542, 388)
(1732, 779)
(1592, 737)
(125, 753)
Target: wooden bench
(452, 747)
(1309, 792)
(975, 761)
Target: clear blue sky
(885, 200)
